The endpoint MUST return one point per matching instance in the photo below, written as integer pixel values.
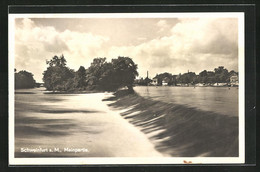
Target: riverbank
(228, 86)
(84, 91)
(74, 125)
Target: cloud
(214, 36)
(34, 44)
(189, 44)
(194, 44)
(56, 45)
(142, 38)
(162, 24)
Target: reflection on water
(217, 99)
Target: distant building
(165, 81)
(234, 80)
(219, 84)
(39, 85)
(154, 81)
(137, 81)
(199, 85)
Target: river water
(185, 121)
(222, 100)
(157, 121)
(74, 125)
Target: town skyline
(175, 74)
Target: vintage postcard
(126, 88)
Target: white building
(165, 81)
(234, 80)
(155, 81)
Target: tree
(95, 71)
(147, 81)
(173, 80)
(107, 80)
(221, 74)
(56, 61)
(187, 78)
(203, 77)
(211, 78)
(24, 79)
(80, 78)
(112, 75)
(57, 74)
(232, 73)
(100, 75)
(125, 72)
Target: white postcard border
(123, 160)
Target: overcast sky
(173, 45)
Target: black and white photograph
(126, 88)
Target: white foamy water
(75, 121)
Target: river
(74, 125)
(222, 100)
(152, 122)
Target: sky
(157, 45)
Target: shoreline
(183, 86)
(100, 91)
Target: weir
(184, 131)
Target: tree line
(219, 75)
(24, 79)
(110, 76)
(101, 75)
